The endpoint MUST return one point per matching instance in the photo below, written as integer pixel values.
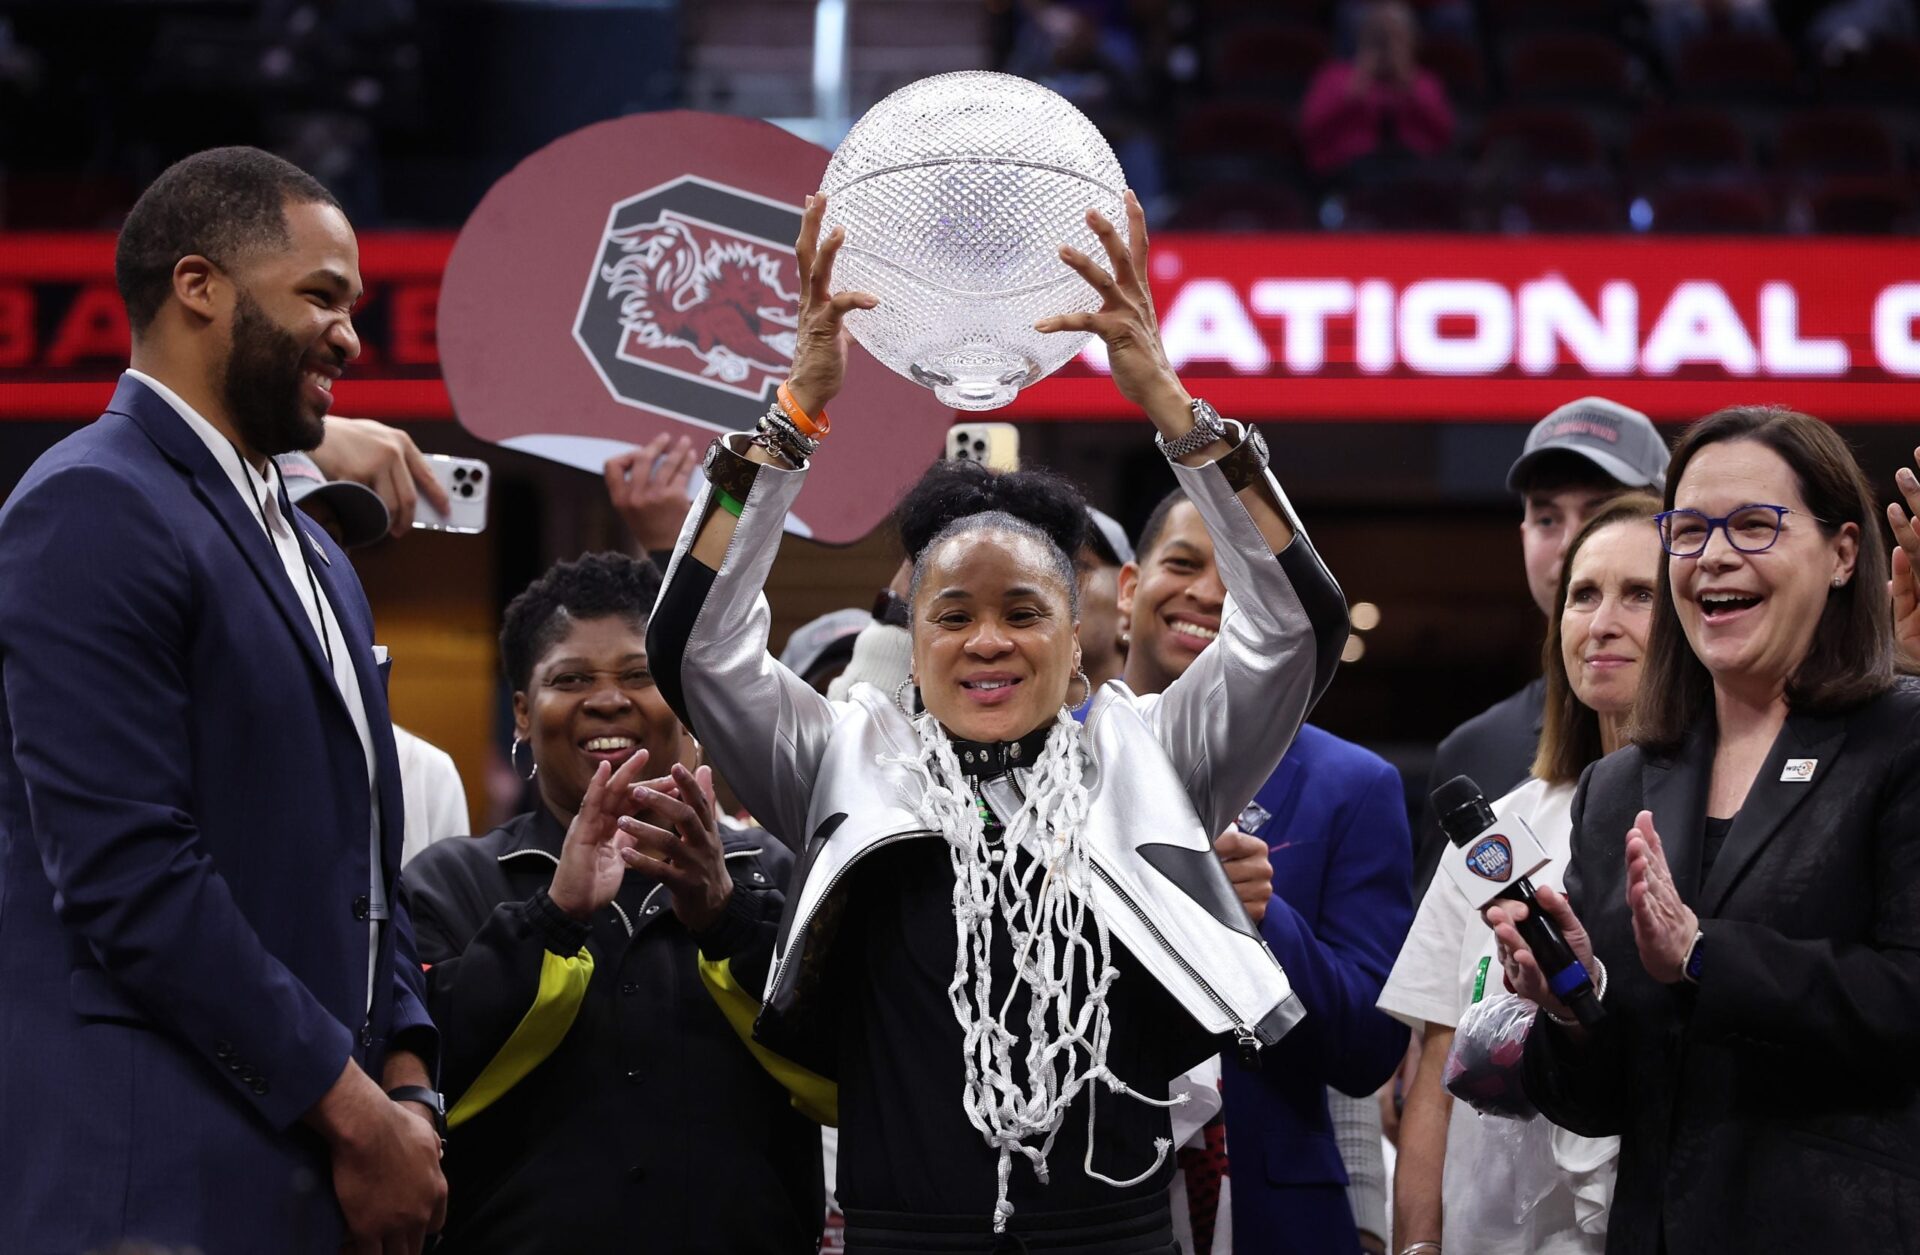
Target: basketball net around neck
(1044, 900)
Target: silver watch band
(1207, 428)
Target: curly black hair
(592, 586)
(953, 490)
(221, 204)
(954, 496)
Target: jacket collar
(537, 830)
(169, 433)
(1674, 788)
(983, 760)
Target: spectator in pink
(1381, 103)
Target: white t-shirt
(436, 801)
(1495, 1198)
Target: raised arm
(764, 727)
(1228, 719)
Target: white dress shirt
(262, 499)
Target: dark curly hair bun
(953, 490)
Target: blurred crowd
(1490, 115)
(1508, 115)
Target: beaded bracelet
(779, 436)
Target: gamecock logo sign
(695, 290)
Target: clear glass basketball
(956, 193)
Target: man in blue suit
(215, 1027)
(1340, 903)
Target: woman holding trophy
(1008, 931)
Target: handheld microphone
(1491, 860)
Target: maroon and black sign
(638, 276)
(694, 294)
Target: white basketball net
(1065, 1047)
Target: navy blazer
(184, 874)
(1342, 902)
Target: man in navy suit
(1338, 906)
(214, 1022)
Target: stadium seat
(1864, 205)
(1736, 68)
(1536, 137)
(1835, 141)
(1261, 206)
(1222, 14)
(1276, 61)
(1887, 74)
(1426, 199)
(1569, 66)
(1225, 141)
(1686, 142)
(1602, 17)
(1457, 63)
(1709, 208)
(1587, 207)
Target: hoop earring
(1086, 684)
(513, 758)
(899, 698)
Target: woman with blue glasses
(1747, 874)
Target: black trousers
(1138, 1227)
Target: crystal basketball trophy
(956, 193)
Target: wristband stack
(789, 432)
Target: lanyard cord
(306, 563)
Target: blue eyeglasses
(1750, 529)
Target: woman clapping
(1748, 875)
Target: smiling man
(201, 950)
(1321, 862)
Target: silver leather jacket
(1166, 772)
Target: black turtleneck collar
(983, 760)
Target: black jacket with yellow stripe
(599, 1086)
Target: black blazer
(1774, 1107)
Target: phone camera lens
(466, 490)
(474, 475)
(979, 446)
(459, 473)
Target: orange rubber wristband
(811, 427)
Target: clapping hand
(1663, 926)
(1905, 584)
(820, 338)
(591, 869)
(1125, 319)
(681, 848)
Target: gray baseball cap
(361, 514)
(1621, 442)
(1108, 538)
(828, 638)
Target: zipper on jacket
(798, 938)
(1247, 1040)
